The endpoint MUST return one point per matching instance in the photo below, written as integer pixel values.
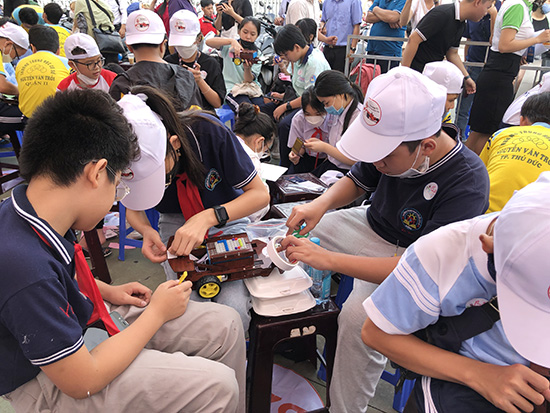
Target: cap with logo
(144, 26)
(80, 46)
(400, 106)
(522, 263)
(446, 74)
(16, 34)
(146, 176)
(184, 28)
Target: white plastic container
(279, 285)
(291, 304)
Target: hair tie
(256, 109)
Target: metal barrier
(353, 59)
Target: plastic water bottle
(321, 280)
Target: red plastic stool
(266, 332)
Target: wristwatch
(221, 215)
(288, 106)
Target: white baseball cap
(82, 41)
(144, 26)
(522, 263)
(146, 176)
(16, 34)
(400, 106)
(446, 74)
(184, 28)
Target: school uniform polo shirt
(305, 71)
(440, 30)
(227, 167)
(381, 28)
(455, 187)
(301, 129)
(42, 311)
(37, 78)
(440, 275)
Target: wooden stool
(267, 332)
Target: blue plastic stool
(400, 398)
(123, 239)
(226, 115)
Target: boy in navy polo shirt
(423, 179)
(73, 173)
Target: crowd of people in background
(120, 99)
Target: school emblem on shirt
(127, 174)
(312, 79)
(430, 190)
(411, 219)
(141, 23)
(179, 25)
(476, 302)
(212, 179)
(371, 112)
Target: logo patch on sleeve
(212, 179)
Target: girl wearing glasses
(87, 63)
(211, 187)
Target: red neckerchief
(188, 196)
(88, 286)
(319, 135)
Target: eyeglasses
(91, 66)
(121, 189)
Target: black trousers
(336, 57)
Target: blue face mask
(546, 8)
(331, 110)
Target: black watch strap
(221, 215)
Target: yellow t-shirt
(515, 157)
(37, 77)
(63, 33)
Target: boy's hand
(153, 248)
(196, 72)
(308, 213)
(303, 250)
(293, 158)
(170, 299)
(512, 388)
(132, 293)
(279, 111)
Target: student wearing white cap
(201, 181)
(449, 76)
(85, 59)
(186, 37)
(516, 156)
(421, 179)
(14, 42)
(146, 38)
(512, 115)
(454, 268)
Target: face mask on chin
(248, 45)
(187, 52)
(85, 80)
(414, 172)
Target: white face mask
(187, 52)
(6, 58)
(315, 120)
(412, 172)
(88, 81)
(263, 153)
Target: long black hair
(332, 83)
(175, 124)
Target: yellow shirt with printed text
(37, 77)
(514, 158)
